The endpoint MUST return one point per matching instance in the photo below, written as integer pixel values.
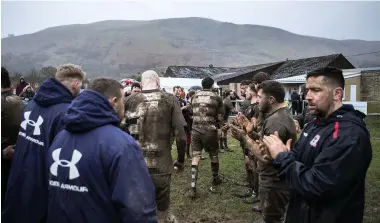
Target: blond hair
(69, 71)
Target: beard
(76, 92)
(264, 107)
(321, 110)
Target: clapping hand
(275, 145)
(237, 133)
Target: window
(344, 93)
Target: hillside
(117, 48)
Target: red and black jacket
(326, 169)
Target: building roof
(241, 71)
(195, 72)
(285, 69)
(302, 66)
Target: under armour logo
(73, 173)
(36, 125)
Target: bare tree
(32, 75)
(48, 71)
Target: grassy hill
(127, 47)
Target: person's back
(152, 116)
(26, 196)
(97, 171)
(149, 116)
(206, 108)
(294, 96)
(207, 115)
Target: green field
(225, 207)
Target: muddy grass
(224, 207)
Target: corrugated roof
(302, 66)
(241, 71)
(286, 69)
(195, 72)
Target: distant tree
(32, 75)
(17, 75)
(48, 71)
(210, 65)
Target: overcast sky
(336, 20)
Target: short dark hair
(274, 89)
(331, 75)
(5, 81)
(252, 88)
(106, 86)
(245, 82)
(207, 83)
(135, 85)
(260, 77)
(176, 87)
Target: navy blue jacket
(26, 196)
(326, 169)
(97, 172)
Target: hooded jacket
(20, 86)
(26, 196)
(97, 172)
(326, 169)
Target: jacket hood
(347, 113)
(88, 111)
(52, 92)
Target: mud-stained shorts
(207, 141)
(274, 204)
(162, 184)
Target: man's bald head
(150, 79)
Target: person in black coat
(327, 166)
